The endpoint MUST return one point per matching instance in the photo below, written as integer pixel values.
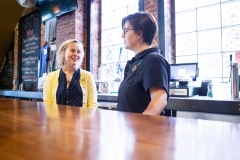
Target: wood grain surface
(35, 130)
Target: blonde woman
(70, 85)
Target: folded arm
(158, 101)
(47, 90)
(92, 93)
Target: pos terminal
(183, 73)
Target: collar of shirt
(76, 74)
(146, 52)
(140, 55)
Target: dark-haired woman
(146, 77)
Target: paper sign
(41, 81)
(53, 47)
(45, 51)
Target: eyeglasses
(125, 30)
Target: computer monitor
(184, 73)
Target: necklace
(69, 78)
(68, 75)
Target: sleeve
(92, 92)
(40, 62)
(126, 69)
(40, 54)
(48, 53)
(48, 89)
(156, 74)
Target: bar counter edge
(190, 104)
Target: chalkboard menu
(30, 38)
(6, 69)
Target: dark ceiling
(10, 14)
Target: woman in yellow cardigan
(70, 85)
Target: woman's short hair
(62, 49)
(145, 22)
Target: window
(113, 50)
(207, 32)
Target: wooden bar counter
(35, 130)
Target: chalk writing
(31, 27)
(29, 59)
(29, 76)
(28, 18)
(26, 69)
(29, 32)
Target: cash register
(182, 74)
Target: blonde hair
(62, 49)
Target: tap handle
(230, 68)
(121, 50)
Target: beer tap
(234, 80)
(118, 67)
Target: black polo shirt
(146, 70)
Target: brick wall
(151, 6)
(95, 37)
(42, 34)
(65, 28)
(15, 63)
(170, 47)
(80, 26)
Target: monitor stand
(183, 90)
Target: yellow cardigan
(87, 84)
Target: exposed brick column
(170, 42)
(42, 34)
(80, 26)
(95, 35)
(15, 63)
(151, 6)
